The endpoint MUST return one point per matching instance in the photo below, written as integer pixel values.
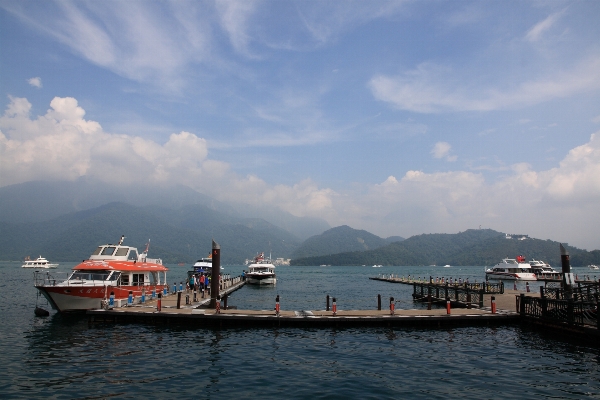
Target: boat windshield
(89, 275)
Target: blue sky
(400, 118)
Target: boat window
(154, 278)
(115, 276)
(108, 251)
(97, 251)
(125, 279)
(133, 254)
(122, 251)
(138, 279)
(89, 276)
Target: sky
(397, 117)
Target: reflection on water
(62, 356)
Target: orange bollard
(277, 306)
(392, 306)
(493, 305)
(158, 302)
(448, 306)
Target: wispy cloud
(536, 32)
(442, 150)
(432, 88)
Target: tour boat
(204, 266)
(40, 262)
(115, 272)
(261, 271)
(543, 270)
(594, 267)
(513, 269)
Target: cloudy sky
(400, 118)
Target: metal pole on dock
(379, 302)
(216, 270)
(566, 272)
(327, 303)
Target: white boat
(594, 267)
(261, 271)
(112, 271)
(543, 270)
(40, 262)
(447, 266)
(512, 269)
(204, 265)
(377, 266)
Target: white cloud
(441, 150)
(35, 82)
(433, 88)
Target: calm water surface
(61, 357)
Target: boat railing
(47, 278)
(154, 260)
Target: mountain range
(65, 221)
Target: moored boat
(112, 271)
(594, 267)
(39, 262)
(512, 269)
(261, 271)
(543, 270)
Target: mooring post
(178, 300)
(225, 302)
(216, 270)
(566, 271)
(392, 306)
(277, 305)
(334, 307)
(379, 302)
(158, 303)
(327, 303)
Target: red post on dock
(277, 305)
(392, 306)
(159, 302)
(334, 308)
(493, 304)
(448, 306)
(216, 270)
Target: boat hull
(261, 280)
(73, 299)
(511, 276)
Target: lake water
(61, 357)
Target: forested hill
(483, 247)
(339, 240)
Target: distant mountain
(483, 247)
(43, 201)
(176, 235)
(339, 240)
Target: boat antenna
(121, 240)
(147, 246)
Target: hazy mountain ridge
(74, 236)
(40, 201)
(472, 247)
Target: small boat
(40, 262)
(111, 272)
(261, 271)
(377, 266)
(447, 266)
(543, 270)
(594, 267)
(512, 269)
